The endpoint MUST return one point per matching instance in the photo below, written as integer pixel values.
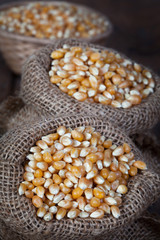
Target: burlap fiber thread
(19, 214)
(145, 228)
(18, 48)
(37, 90)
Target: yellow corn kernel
(115, 211)
(111, 177)
(97, 214)
(81, 203)
(73, 213)
(57, 54)
(98, 193)
(122, 189)
(77, 192)
(65, 204)
(38, 173)
(77, 135)
(41, 212)
(47, 157)
(54, 136)
(54, 189)
(37, 201)
(126, 148)
(105, 208)
(28, 176)
(42, 165)
(95, 56)
(64, 189)
(140, 165)
(58, 156)
(59, 165)
(95, 202)
(104, 173)
(92, 157)
(107, 143)
(38, 157)
(38, 181)
(61, 213)
(132, 171)
(57, 179)
(76, 171)
(22, 188)
(40, 191)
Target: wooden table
(136, 33)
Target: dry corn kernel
(76, 171)
(41, 212)
(95, 202)
(42, 165)
(107, 143)
(64, 188)
(22, 188)
(115, 211)
(58, 156)
(132, 171)
(65, 204)
(28, 176)
(77, 135)
(57, 179)
(59, 165)
(140, 165)
(38, 181)
(111, 177)
(77, 192)
(87, 178)
(73, 213)
(38, 173)
(47, 157)
(97, 192)
(37, 201)
(57, 54)
(61, 213)
(54, 188)
(38, 157)
(40, 191)
(97, 214)
(104, 173)
(126, 148)
(92, 157)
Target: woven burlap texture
(37, 90)
(19, 214)
(14, 113)
(149, 145)
(18, 48)
(145, 228)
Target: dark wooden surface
(136, 33)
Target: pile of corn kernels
(100, 76)
(78, 173)
(42, 20)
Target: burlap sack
(19, 214)
(37, 90)
(14, 113)
(145, 228)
